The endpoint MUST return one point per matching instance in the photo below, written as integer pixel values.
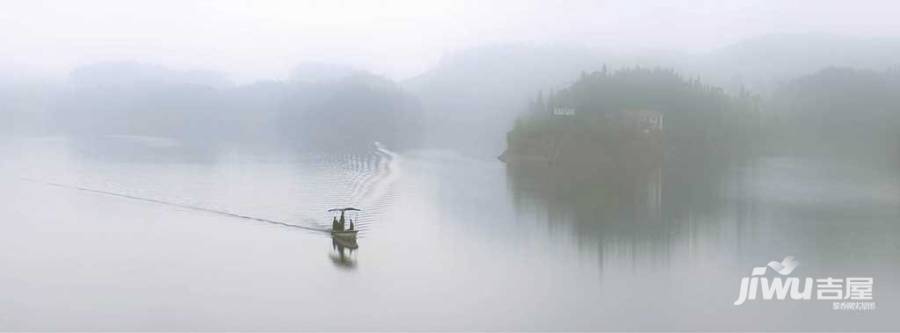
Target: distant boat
(339, 228)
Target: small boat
(339, 227)
(351, 234)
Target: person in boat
(335, 226)
(342, 222)
(351, 225)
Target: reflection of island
(651, 212)
(342, 256)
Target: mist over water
(665, 246)
(533, 166)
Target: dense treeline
(693, 116)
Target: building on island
(642, 120)
(561, 111)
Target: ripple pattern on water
(295, 189)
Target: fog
(399, 39)
(461, 62)
(170, 165)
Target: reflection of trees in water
(654, 209)
(713, 205)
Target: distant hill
(466, 102)
(762, 63)
(844, 111)
(353, 112)
(198, 107)
(470, 98)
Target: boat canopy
(344, 209)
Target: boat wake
(373, 184)
(313, 186)
(382, 179)
(311, 227)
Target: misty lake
(447, 242)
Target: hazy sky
(264, 39)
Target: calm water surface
(447, 242)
